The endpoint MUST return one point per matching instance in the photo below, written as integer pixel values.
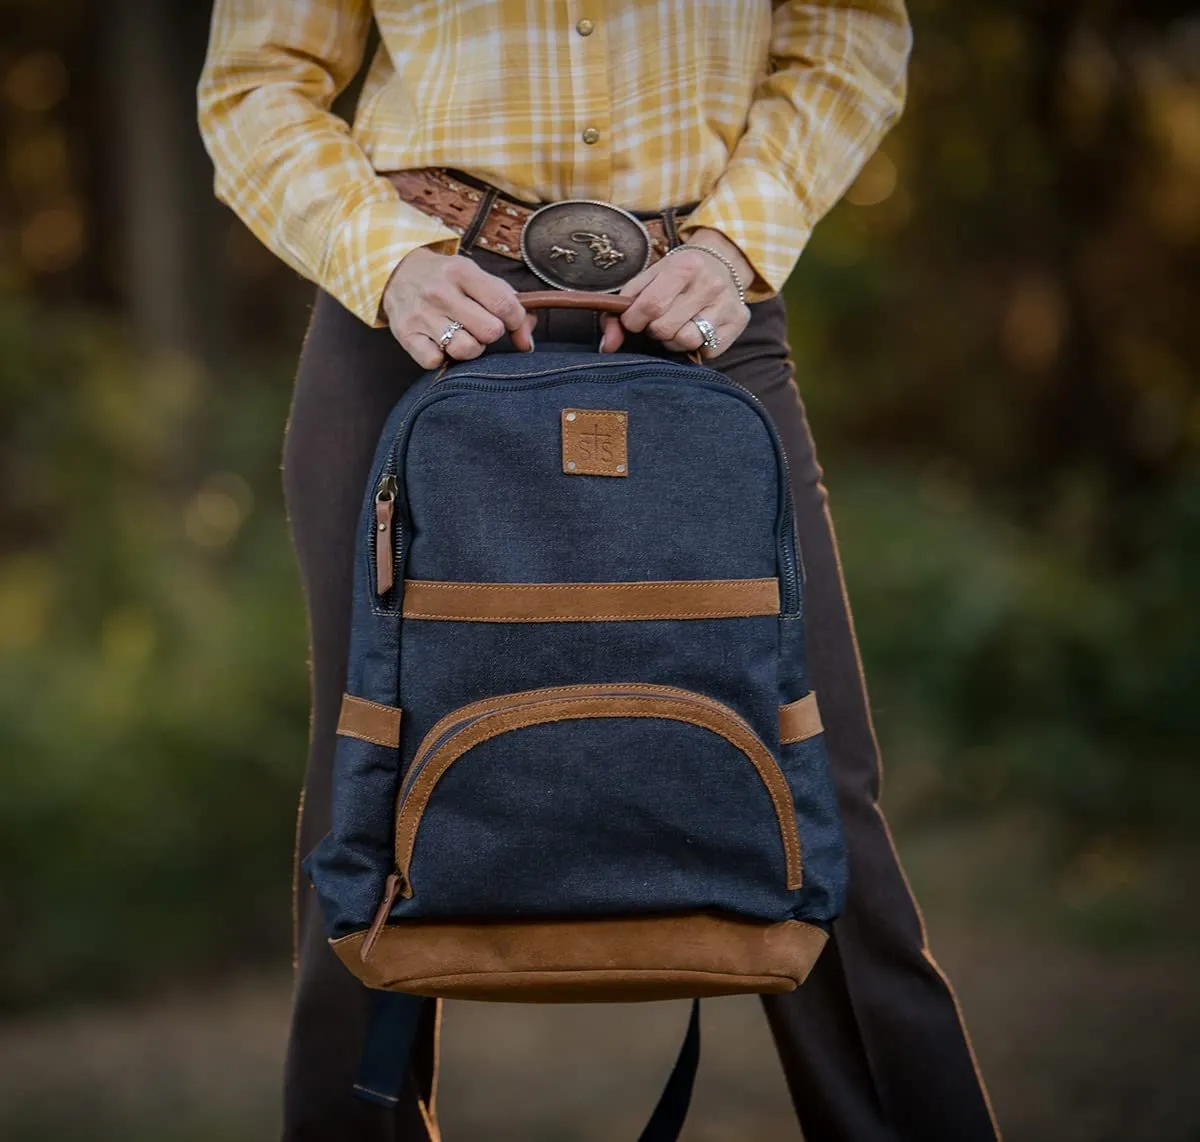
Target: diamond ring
(448, 333)
(711, 340)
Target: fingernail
(531, 344)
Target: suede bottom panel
(582, 961)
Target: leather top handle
(573, 299)
(584, 299)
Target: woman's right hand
(428, 290)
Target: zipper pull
(385, 506)
(391, 890)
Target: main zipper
(479, 382)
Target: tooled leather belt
(573, 244)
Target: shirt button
(585, 27)
(591, 135)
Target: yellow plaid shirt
(763, 112)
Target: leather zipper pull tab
(391, 890)
(385, 506)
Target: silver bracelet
(720, 258)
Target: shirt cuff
(762, 217)
(366, 247)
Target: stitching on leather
(746, 614)
(751, 588)
(620, 973)
(809, 700)
(501, 722)
(350, 731)
(635, 585)
(500, 702)
(368, 702)
(365, 738)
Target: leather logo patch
(595, 442)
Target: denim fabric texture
(592, 816)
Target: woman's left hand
(668, 295)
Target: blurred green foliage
(997, 330)
(153, 693)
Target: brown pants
(872, 1045)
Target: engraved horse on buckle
(618, 242)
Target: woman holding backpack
(691, 146)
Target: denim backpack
(578, 756)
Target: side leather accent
(369, 721)
(799, 720)
(590, 602)
(608, 960)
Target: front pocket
(614, 797)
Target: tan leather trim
(578, 961)
(590, 602)
(384, 562)
(573, 299)
(369, 721)
(613, 700)
(433, 191)
(799, 720)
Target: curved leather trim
(799, 720)
(534, 708)
(590, 602)
(369, 721)
(578, 961)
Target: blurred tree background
(996, 335)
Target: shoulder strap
(393, 1027)
(669, 1115)
(387, 1048)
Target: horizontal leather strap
(369, 721)
(799, 720)
(590, 602)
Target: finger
(728, 322)
(687, 337)
(484, 327)
(421, 349)
(728, 331)
(522, 337)
(613, 336)
(677, 324)
(495, 295)
(653, 302)
(462, 346)
(636, 284)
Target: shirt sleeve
(286, 164)
(836, 85)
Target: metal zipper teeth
(480, 382)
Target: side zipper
(385, 507)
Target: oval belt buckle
(583, 244)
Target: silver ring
(711, 340)
(448, 333)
